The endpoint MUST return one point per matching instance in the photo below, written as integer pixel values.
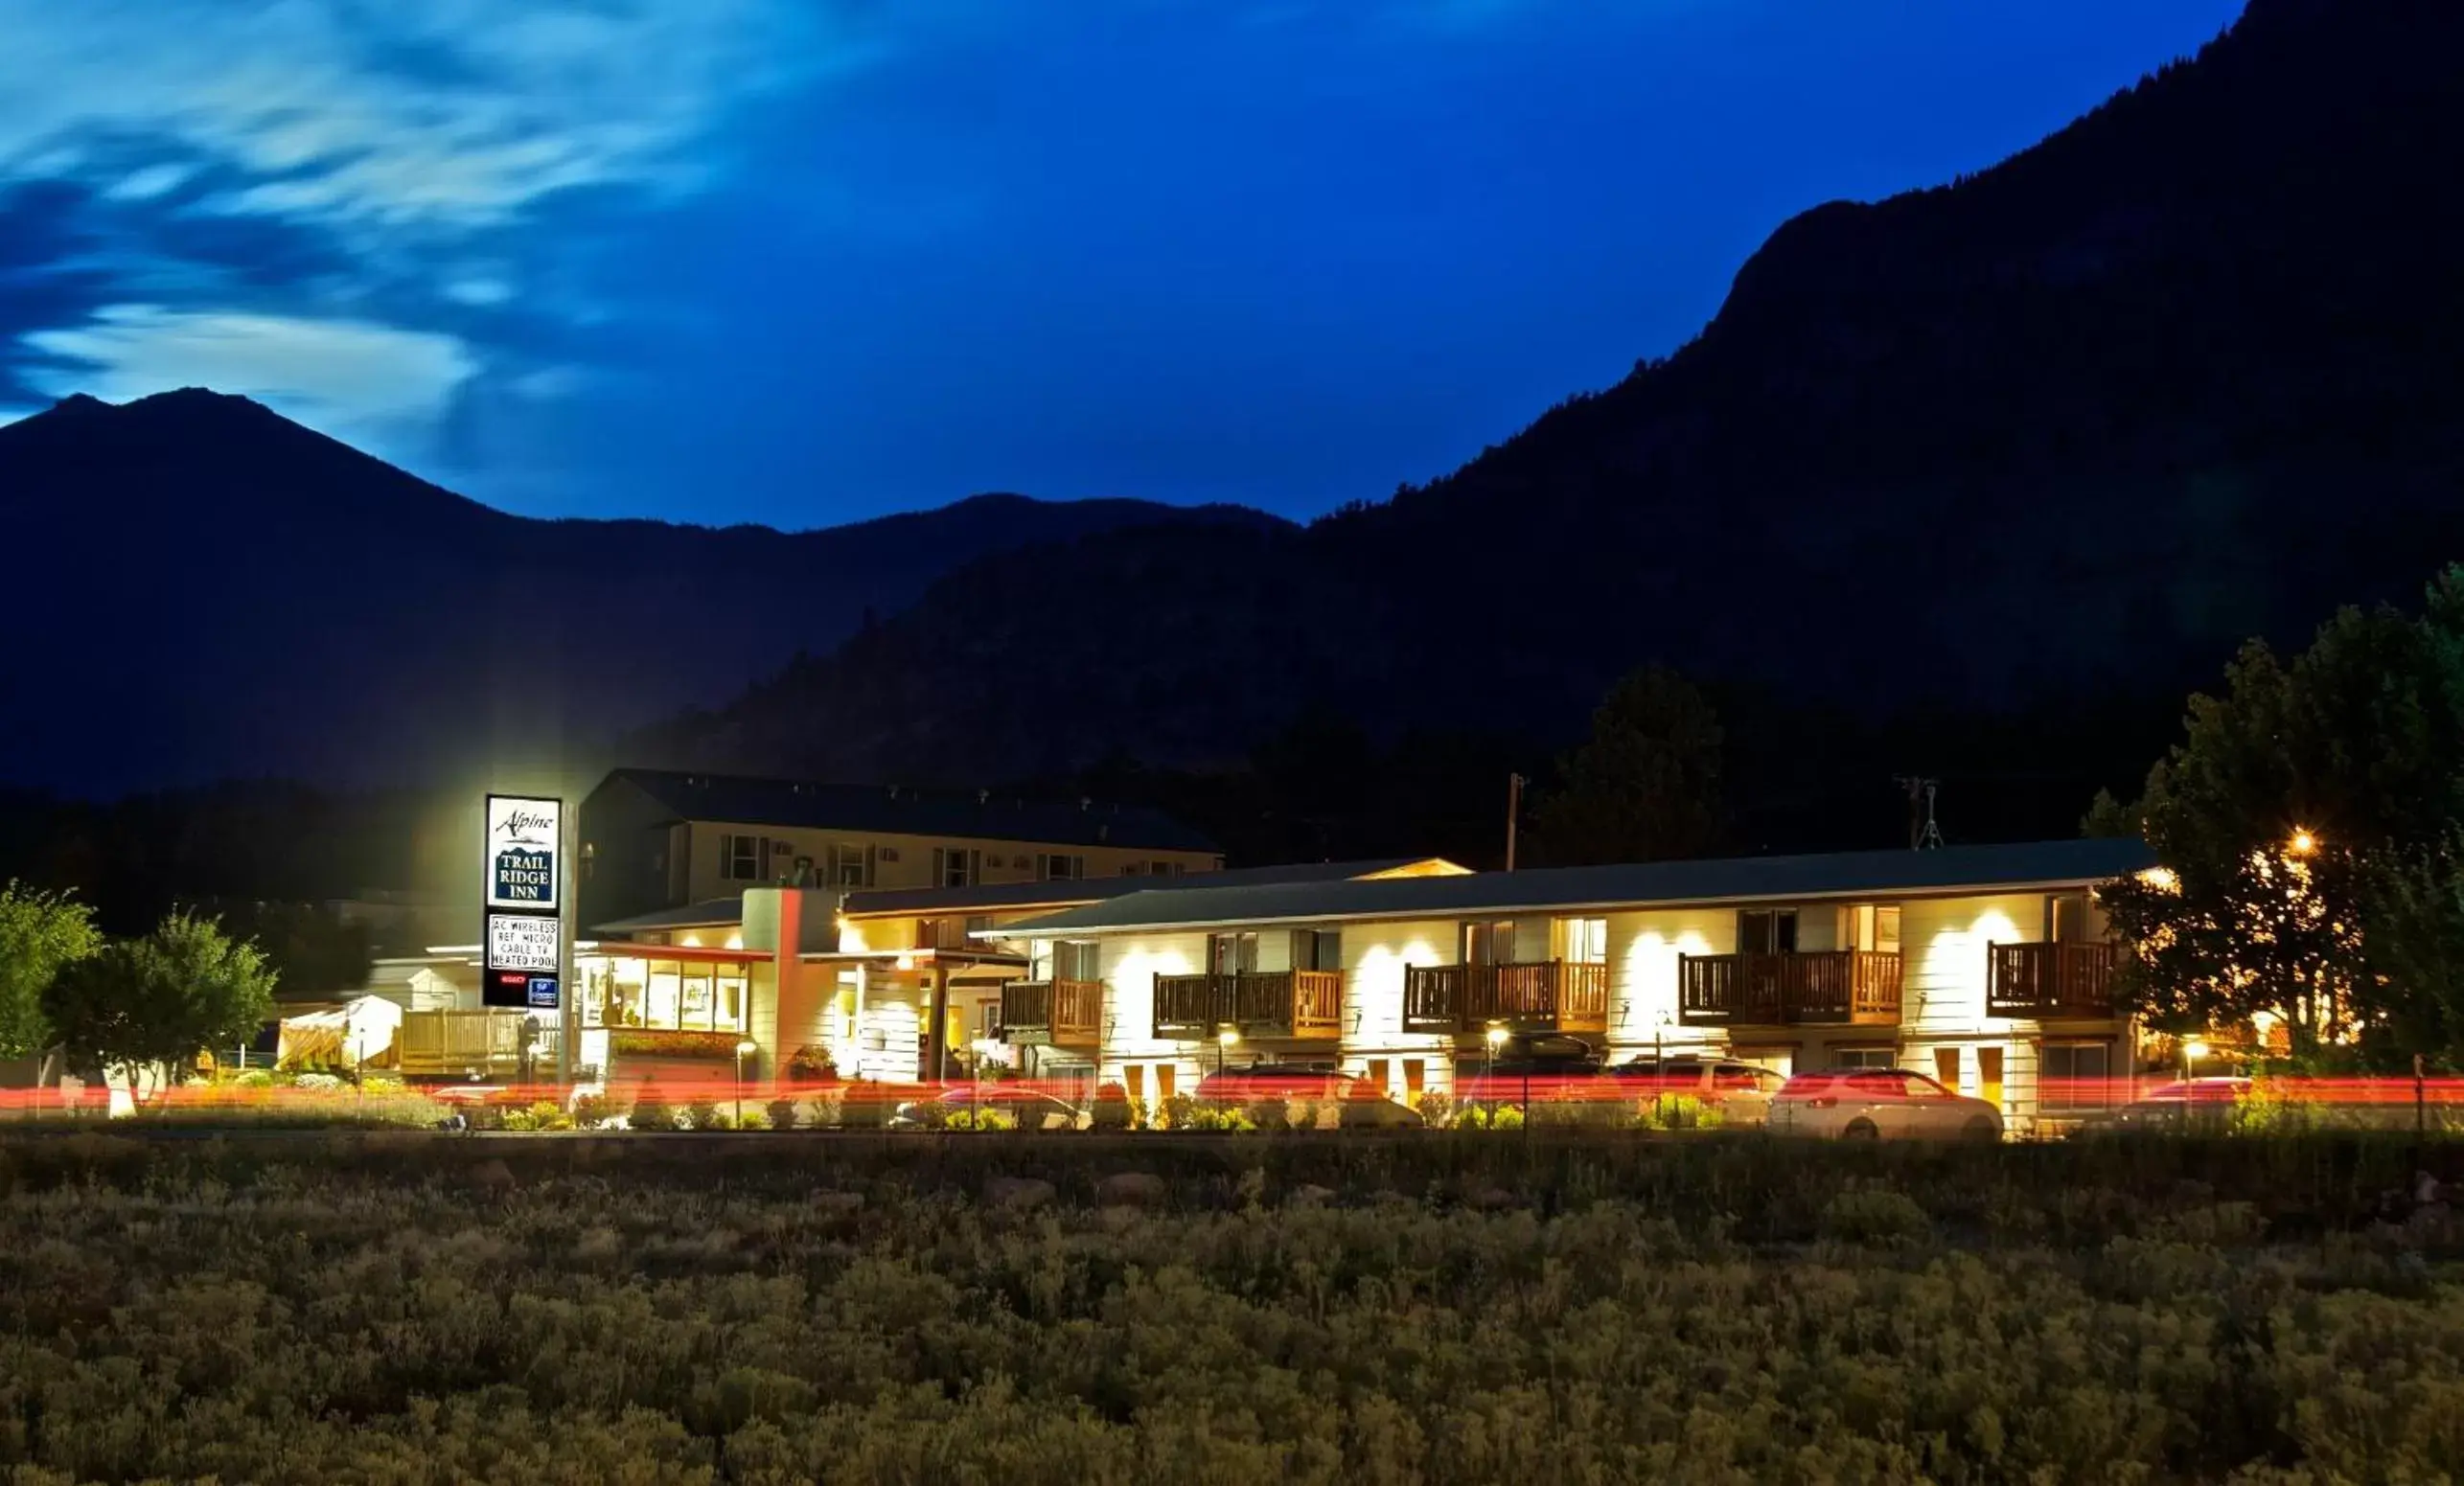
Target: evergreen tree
(1645, 786)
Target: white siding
(1944, 940)
(1374, 958)
(1643, 951)
(1130, 964)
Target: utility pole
(1923, 833)
(1514, 813)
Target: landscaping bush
(650, 1110)
(1569, 1305)
(782, 1114)
(1112, 1111)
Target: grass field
(398, 1306)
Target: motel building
(1988, 967)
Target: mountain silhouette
(201, 588)
(2067, 429)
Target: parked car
(1880, 1104)
(1535, 1067)
(1340, 1097)
(2185, 1103)
(1030, 1108)
(1740, 1091)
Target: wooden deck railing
(1833, 987)
(1062, 1013)
(458, 1042)
(2050, 981)
(1279, 1003)
(1550, 995)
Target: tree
(160, 999)
(2303, 823)
(1645, 784)
(313, 951)
(40, 933)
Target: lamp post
(744, 1049)
(1225, 1042)
(2192, 1049)
(1496, 1040)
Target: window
(2075, 1076)
(1075, 959)
(1583, 941)
(1489, 943)
(2066, 917)
(1316, 948)
(1863, 1057)
(1058, 867)
(1766, 931)
(664, 996)
(1870, 926)
(1231, 954)
(851, 864)
(740, 857)
(955, 866)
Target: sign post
(527, 954)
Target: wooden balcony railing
(1544, 996)
(1833, 987)
(456, 1042)
(1061, 1012)
(2050, 981)
(1281, 1003)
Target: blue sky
(801, 261)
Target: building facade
(654, 840)
(1987, 966)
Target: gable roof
(793, 804)
(2033, 864)
(995, 896)
(708, 913)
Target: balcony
(1546, 995)
(1281, 1003)
(2050, 982)
(1053, 1013)
(1818, 987)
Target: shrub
(1438, 1108)
(978, 1119)
(864, 1106)
(253, 1078)
(590, 1112)
(549, 1114)
(752, 1119)
(1483, 1116)
(650, 1111)
(1112, 1111)
(1872, 1215)
(782, 1114)
(812, 1063)
(701, 1114)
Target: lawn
(1088, 1310)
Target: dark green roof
(2035, 864)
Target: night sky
(802, 261)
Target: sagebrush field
(1193, 1310)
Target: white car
(1880, 1104)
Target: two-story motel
(1989, 967)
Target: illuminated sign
(519, 989)
(524, 842)
(524, 941)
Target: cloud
(438, 114)
(350, 378)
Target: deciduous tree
(160, 999)
(40, 933)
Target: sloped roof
(792, 804)
(995, 896)
(1742, 879)
(708, 913)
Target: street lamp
(1225, 1042)
(2191, 1052)
(2303, 844)
(1496, 1040)
(744, 1050)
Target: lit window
(740, 857)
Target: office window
(1058, 867)
(740, 857)
(1766, 931)
(955, 866)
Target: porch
(1299, 1004)
(1814, 988)
(1544, 996)
(2050, 981)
